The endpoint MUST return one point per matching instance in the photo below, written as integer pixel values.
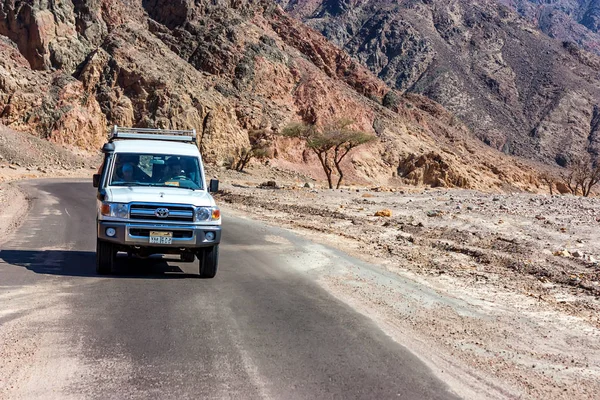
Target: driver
(173, 168)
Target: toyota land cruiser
(152, 199)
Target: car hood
(167, 195)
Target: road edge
(12, 216)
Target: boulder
(383, 213)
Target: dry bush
(581, 176)
(549, 180)
(260, 148)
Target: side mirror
(96, 180)
(108, 148)
(213, 187)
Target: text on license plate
(161, 237)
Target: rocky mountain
(71, 69)
(577, 21)
(518, 90)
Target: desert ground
(493, 290)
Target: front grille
(146, 233)
(147, 212)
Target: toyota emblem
(162, 212)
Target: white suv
(152, 199)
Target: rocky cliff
(576, 21)
(518, 90)
(72, 68)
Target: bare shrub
(581, 176)
(260, 148)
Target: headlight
(207, 214)
(117, 210)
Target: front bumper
(137, 234)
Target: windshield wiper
(178, 187)
(129, 184)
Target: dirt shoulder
(24, 156)
(14, 203)
(498, 293)
(14, 208)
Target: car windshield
(156, 170)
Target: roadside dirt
(14, 208)
(24, 156)
(500, 294)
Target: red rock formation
(221, 67)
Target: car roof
(156, 147)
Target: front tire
(105, 257)
(209, 261)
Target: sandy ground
(10, 175)
(14, 206)
(25, 156)
(494, 291)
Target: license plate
(161, 237)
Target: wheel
(188, 257)
(105, 257)
(209, 261)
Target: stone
(435, 213)
(383, 213)
(562, 188)
(268, 184)
(562, 253)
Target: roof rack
(119, 132)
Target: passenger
(127, 172)
(133, 161)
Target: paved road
(261, 329)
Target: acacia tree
(331, 143)
(582, 175)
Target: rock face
(54, 105)
(569, 20)
(71, 69)
(518, 90)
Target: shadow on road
(83, 264)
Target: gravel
(507, 310)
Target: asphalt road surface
(261, 329)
